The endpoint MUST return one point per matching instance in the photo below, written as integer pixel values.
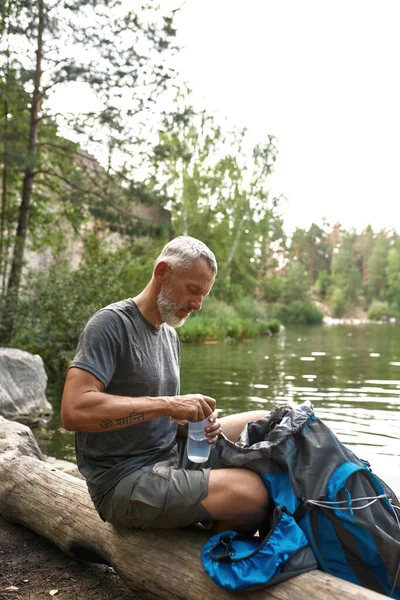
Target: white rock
(22, 386)
(17, 438)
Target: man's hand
(191, 407)
(213, 429)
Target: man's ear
(162, 271)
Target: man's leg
(237, 498)
(162, 495)
(232, 425)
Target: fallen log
(165, 563)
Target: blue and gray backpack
(329, 510)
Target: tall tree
(347, 277)
(393, 277)
(183, 167)
(27, 183)
(99, 49)
(218, 190)
(376, 267)
(362, 248)
(297, 283)
(313, 249)
(13, 133)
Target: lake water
(351, 374)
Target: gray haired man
(122, 399)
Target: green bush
(196, 330)
(251, 308)
(214, 308)
(297, 284)
(200, 327)
(338, 302)
(299, 312)
(378, 310)
(272, 287)
(55, 306)
(274, 326)
(324, 284)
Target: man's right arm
(85, 406)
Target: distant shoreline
(332, 321)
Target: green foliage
(393, 277)
(213, 308)
(378, 310)
(338, 302)
(364, 265)
(251, 308)
(298, 312)
(274, 326)
(376, 268)
(201, 329)
(323, 284)
(55, 306)
(13, 134)
(218, 321)
(202, 178)
(346, 275)
(296, 285)
(219, 192)
(271, 287)
(312, 249)
(62, 182)
(362, 245)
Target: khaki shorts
(165, 495)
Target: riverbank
(348, 321)
(356, 316)
(220, 328)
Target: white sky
(323, 77)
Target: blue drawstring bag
(238, 562)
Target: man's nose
(196, 304)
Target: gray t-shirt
(130, 357)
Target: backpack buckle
(226, 542)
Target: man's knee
(235, 493)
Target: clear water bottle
(198, 448)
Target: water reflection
(350, 374)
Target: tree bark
(4, 184)
(165, 563)
(3, 257)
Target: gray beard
(167, 309)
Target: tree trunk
(235, 243)
(165, 563)
(4, 179)
(27, 186)
(3, 253)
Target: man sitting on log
(122, 399)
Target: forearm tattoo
(133, 417)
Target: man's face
(184, 291)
